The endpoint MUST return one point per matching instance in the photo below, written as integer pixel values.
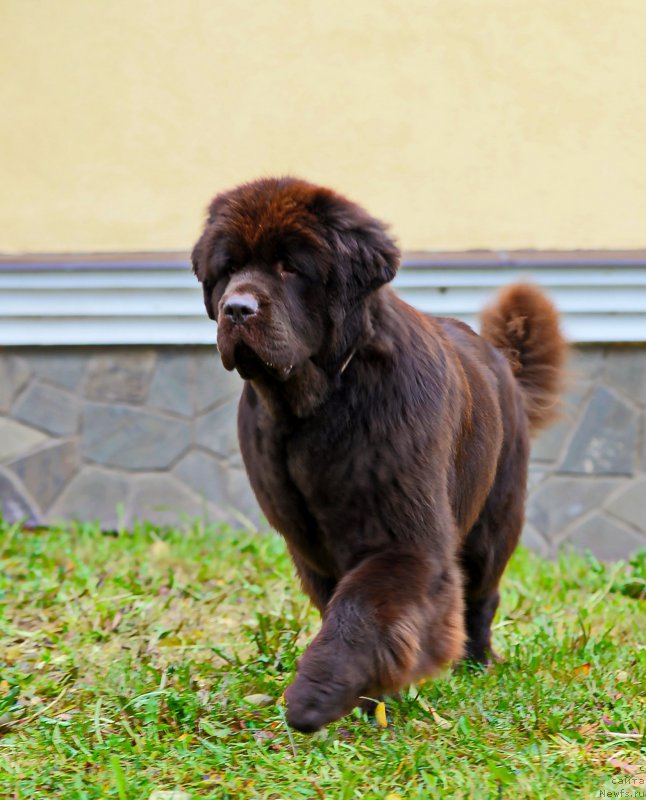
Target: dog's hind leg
(486, 551)
(478, 618)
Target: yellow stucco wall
(464, 123)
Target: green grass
(125, 662)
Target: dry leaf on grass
(169, 794)
(259, 700)
(380, 715)
(380, 711)
(159, 548)
(632, 769)
(443, 723)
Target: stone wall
(587, 481)
(121, 433)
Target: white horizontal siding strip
(586, 329)
(462, 301)
(418, 278)
(174, 331)
(408, 277)
(116, 330)
(164, 306)
(602, 328)
(74, 303)
(114, 279)
(188, 302)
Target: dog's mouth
(281, 371)
(251, 364)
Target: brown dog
(389, 449)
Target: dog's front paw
(311, 705)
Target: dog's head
(286, 267)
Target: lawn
(152, 661)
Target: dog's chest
(278, 479)
(335, 485)
(300, 486)
(327, 480)
(310, 464)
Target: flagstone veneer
(119, 433)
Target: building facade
(500, 140)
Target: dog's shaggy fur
(390, 449)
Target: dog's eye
(285, 268)
(227, 269)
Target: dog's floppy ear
(202, 251)
(199, 260)
(205, 250)
(359, 239)
(196, 259)
(200, 257)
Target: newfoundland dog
(389, 448)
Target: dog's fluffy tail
(524, 324)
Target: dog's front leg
(394, 618)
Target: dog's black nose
(240, 306)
